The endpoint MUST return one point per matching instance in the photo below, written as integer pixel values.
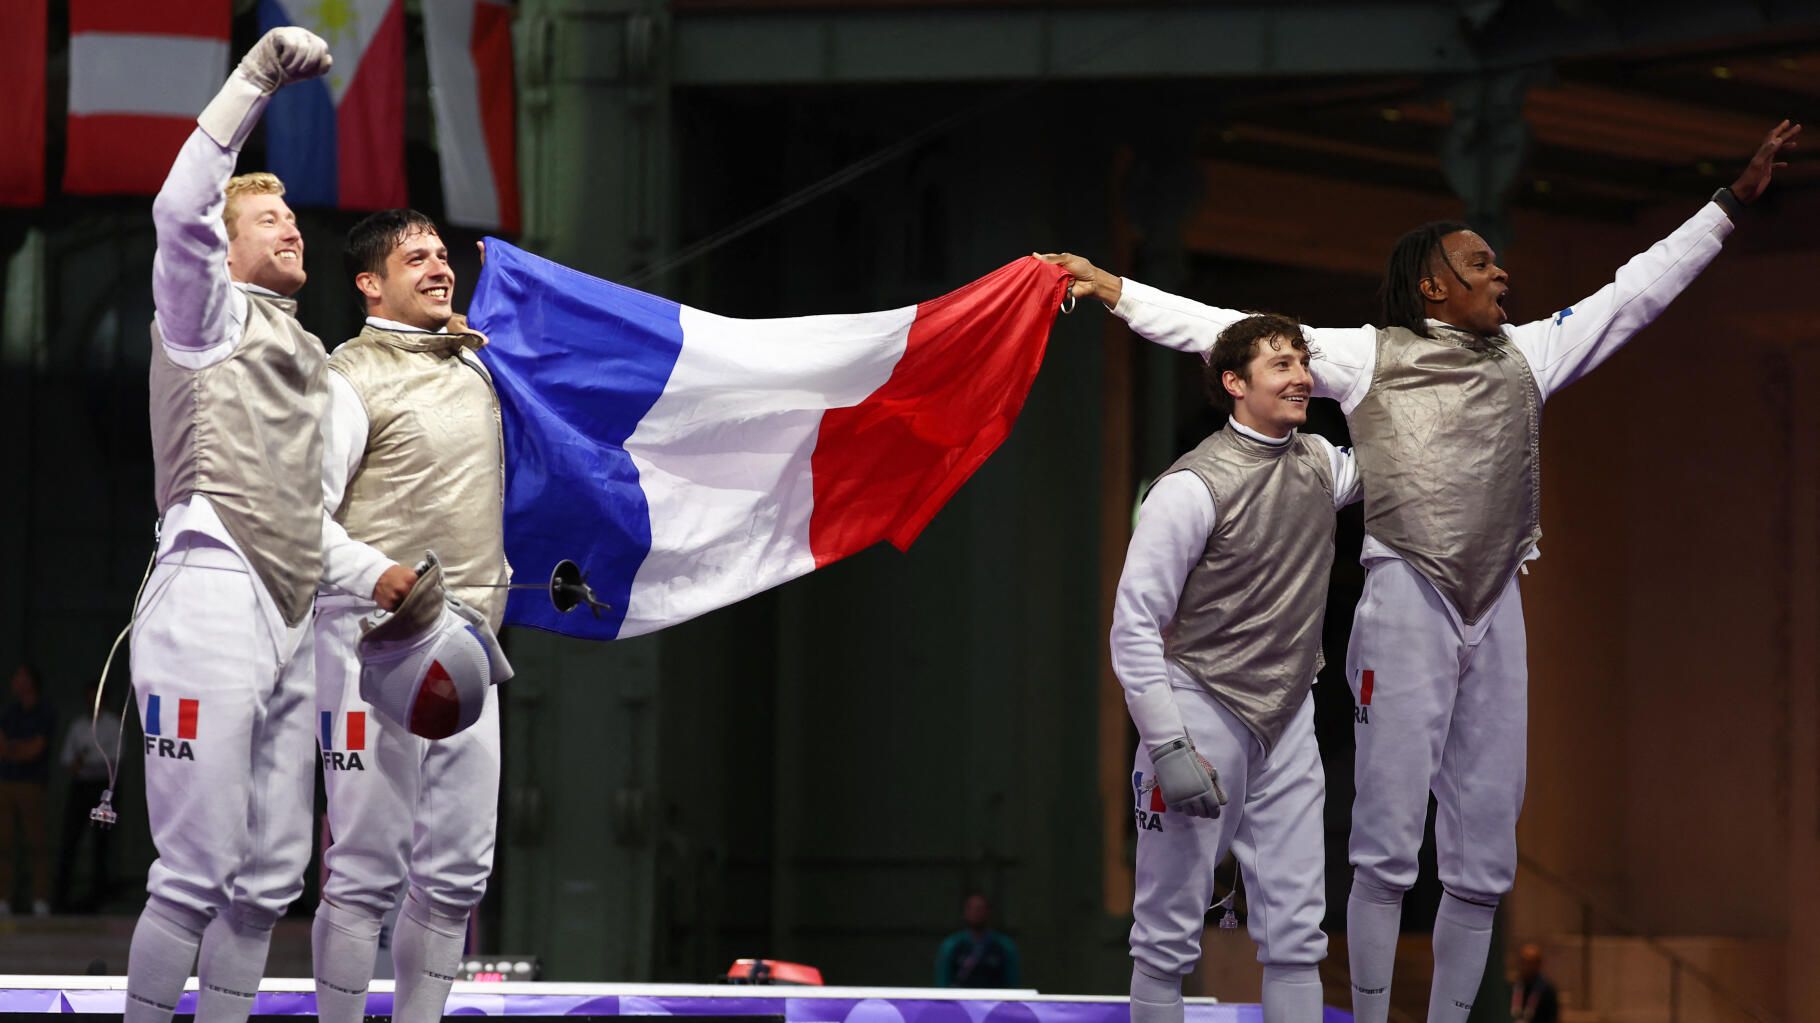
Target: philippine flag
(338, 140)
(686, 460)
(469, 43)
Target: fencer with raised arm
(1444, 403)
(224, 681)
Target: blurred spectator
(976, 956)
(25, 760)
(1532, 998)
(87, 771)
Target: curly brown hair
(1238, 343)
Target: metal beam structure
(861, 43)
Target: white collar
(1255, 435)
(401, 328)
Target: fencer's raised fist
(285, 55)
(1189, 782)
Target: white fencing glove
(1189, 782)
(283, 55)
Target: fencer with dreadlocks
(1444, 403)
(412, 462)
(1216, 639)
(224, 679)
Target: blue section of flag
(151, 715)
(300, 136)
(328, 729)
(577, 362)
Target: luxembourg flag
(139, 75)
(338, 140)
(469, 44)
(686, 460)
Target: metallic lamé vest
(1448, 442)
(433, 476)
(246, 433)
(1248, 626)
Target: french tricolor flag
(354, 730)
(469, 45)
(686, 460)
(139, 75)
(156, 721)
(338, 140)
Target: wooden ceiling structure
(1608, 135)
(1627, 103)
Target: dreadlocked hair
(1413, 259)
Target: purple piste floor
(279, 996)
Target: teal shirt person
(977, 956)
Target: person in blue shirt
(976, 955)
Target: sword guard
(569, 589)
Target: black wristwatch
(1728, 201)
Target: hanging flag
(139, 75)
(338, 140)
(22, 115)
(686, 460)
(470, 54)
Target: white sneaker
(41, 908)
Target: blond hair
(256, 183)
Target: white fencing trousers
(1440, 708)
(1271, 820)
(400, 806)
(229, 780)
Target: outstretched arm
(198, 309)
(1571, 343)
(1342, 366)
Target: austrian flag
(686, 460)
(139, 75)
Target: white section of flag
(154, 75)
(730, 497)
(470, 195)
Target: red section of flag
(884, 467)
(22, 46)
(369, 123)
(122, 154)
(491, 48)
(1365, 682)
(181, 18)
(436, 714)
(357, 730)
(1156, 801)
(186, 718)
